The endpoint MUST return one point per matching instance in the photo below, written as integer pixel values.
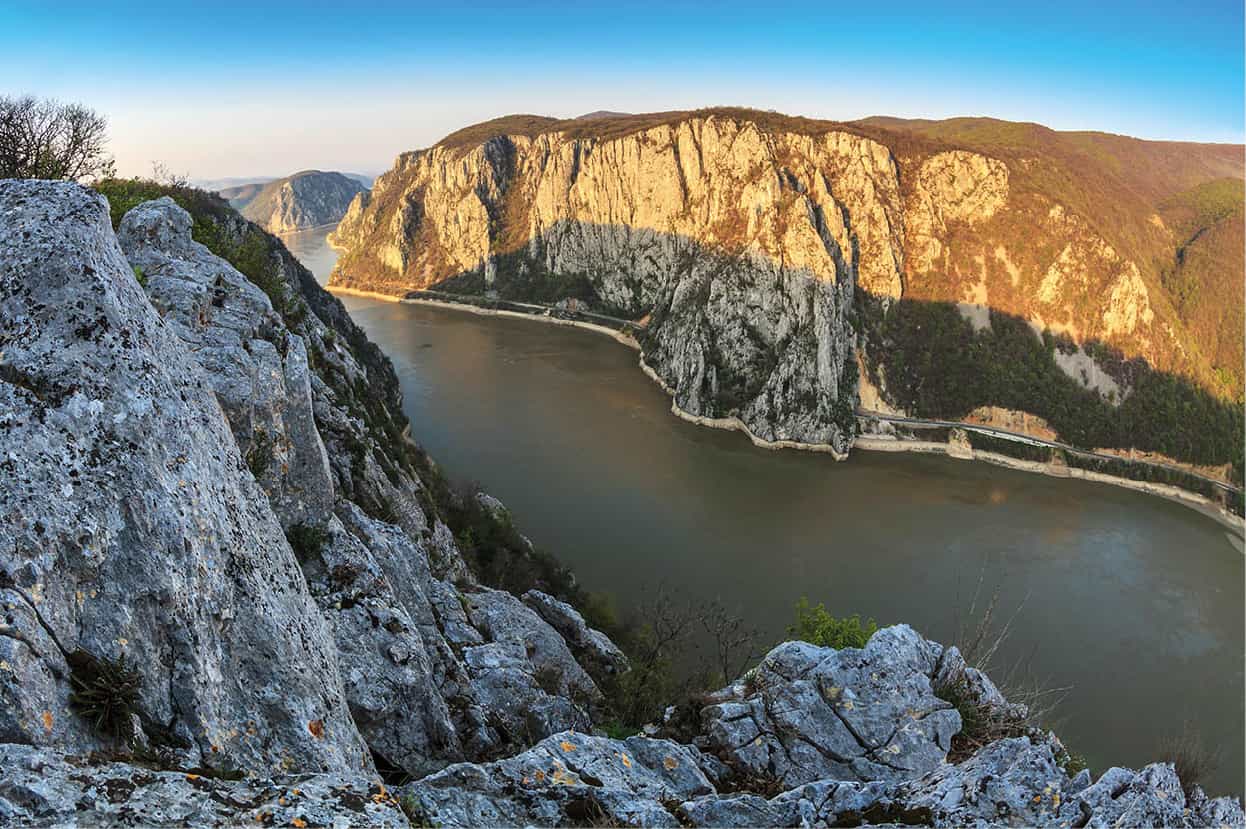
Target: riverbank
(1193, 500)
(866, 442)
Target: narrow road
(1033, 441)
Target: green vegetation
(415, 813)
(105, 692)
(218, 227)
(260, 455)
(938, 367)
(139, 276)
(817, 626)
(307, 540)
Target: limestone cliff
(744, 235)
(303, 200)
(736, 240)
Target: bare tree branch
(51, 140)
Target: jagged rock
(953, 671)
(129, 523)
(1010, 781)
(592, 648)
(424, 685)
(739, 810)
(39, 787)
(393, 683)
(524, 675)
(808, 713)
(256, 366)
(567, 779)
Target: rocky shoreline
(230, 596)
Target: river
(1133, 602)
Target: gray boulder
(258, 368)
(592, 648)
(808, 713)
(567, 779)
(130, 525)
(523, 675)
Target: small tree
(818, 627)
(43, 138)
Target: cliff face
(733, 239)
(158, 444)
(165, 416)
(308, 199)
(745, 234)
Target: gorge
(275, 597)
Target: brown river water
(1133, 602)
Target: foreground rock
(435, 668)
(43, 788)
(808, 713)
(130, 525)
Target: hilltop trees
(43, 138)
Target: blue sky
(240, 89)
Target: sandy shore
(334, 289)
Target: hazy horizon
(240, 92)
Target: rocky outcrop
(179, 433)
(130, 525)
(300, 201)
(875, 759)
(808, 713)
(257, 369)
(39, 787)
(592, 648)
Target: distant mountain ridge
(307, 199)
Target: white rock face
(129, 523)
(736, 240)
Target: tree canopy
(44, 138)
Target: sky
(229, 89)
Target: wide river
(1133, 602)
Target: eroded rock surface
(39, 787)
(129, 523)
(808, 713)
